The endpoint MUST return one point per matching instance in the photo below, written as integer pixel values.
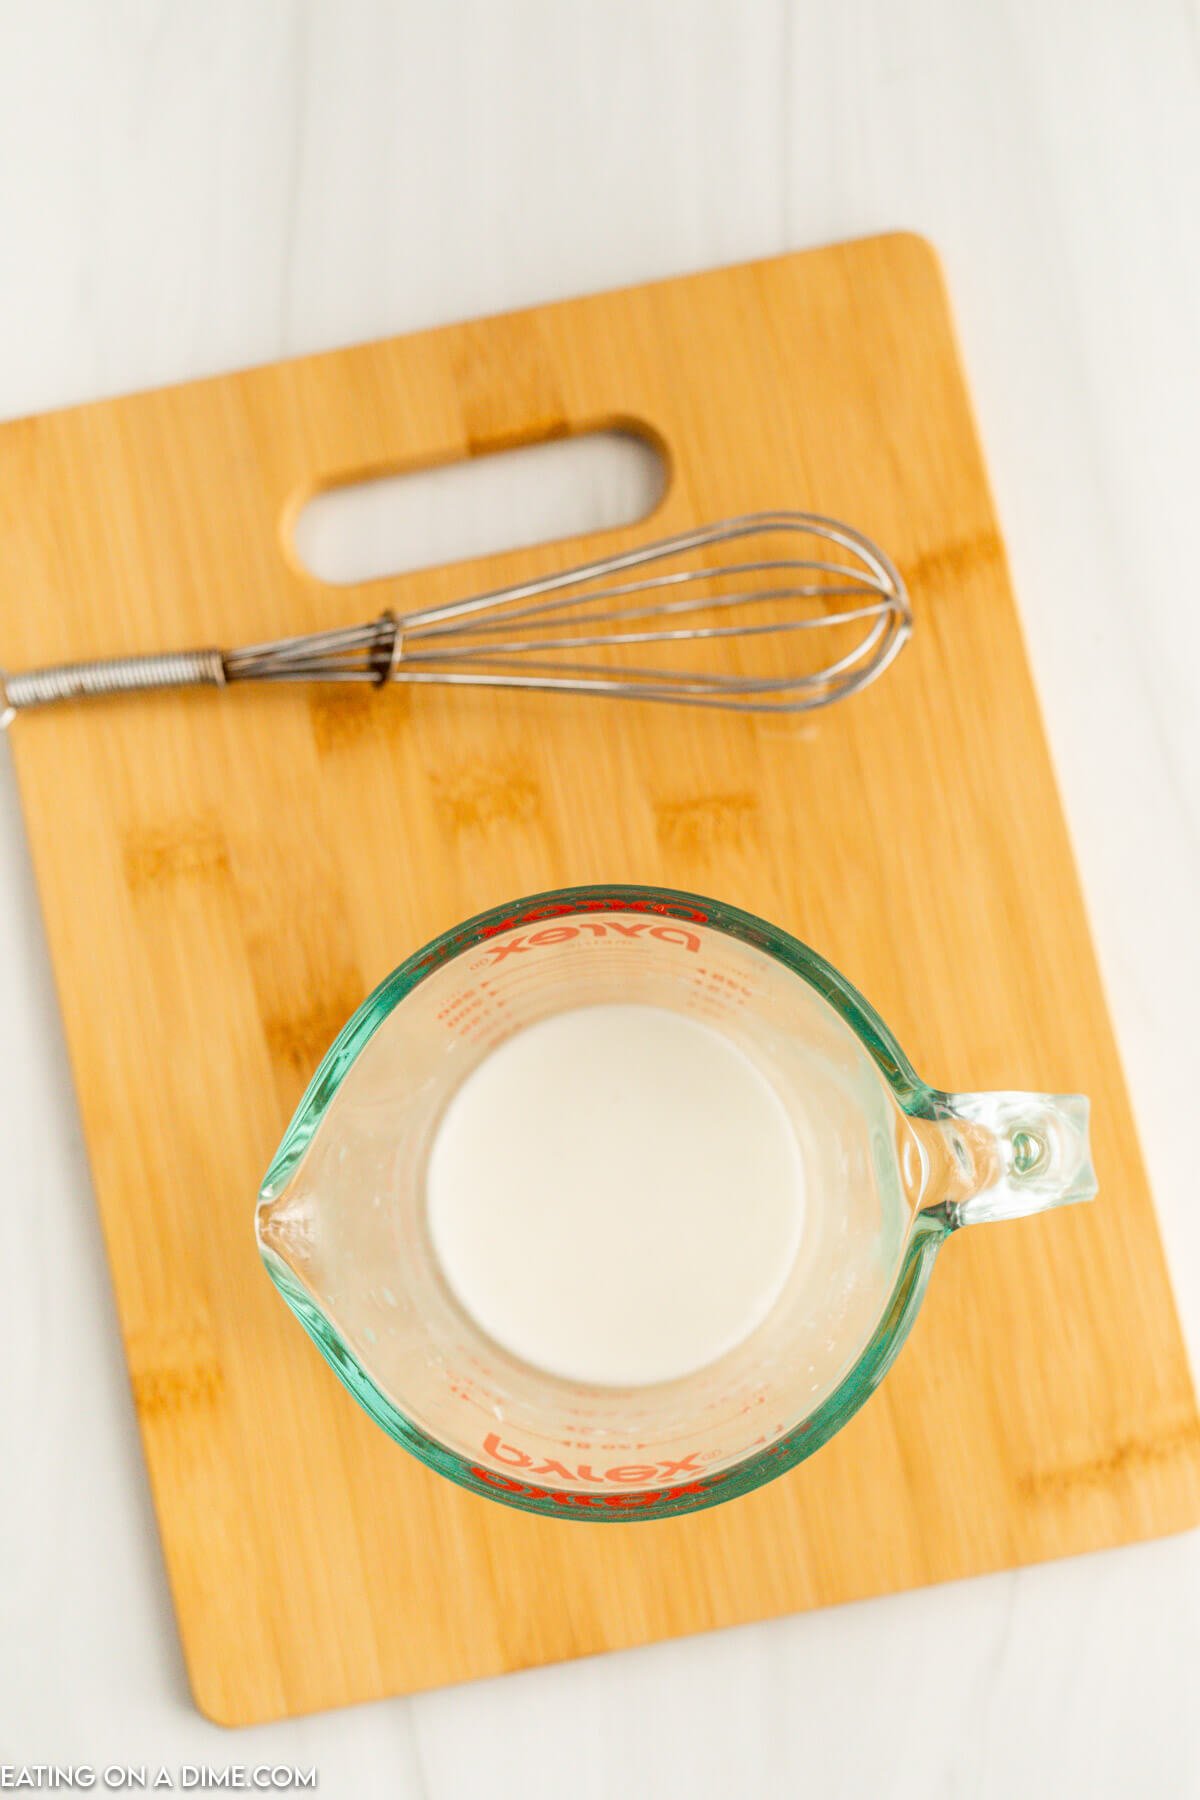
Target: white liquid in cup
(616, 1195)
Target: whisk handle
(110, 675)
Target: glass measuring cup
(893, 1168)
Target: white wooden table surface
(184, 189)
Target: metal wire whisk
(767, 583)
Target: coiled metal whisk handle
(111, 675)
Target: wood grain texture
(224, 877)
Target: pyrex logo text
(540, 910)
(632, 1473)
(562, 934)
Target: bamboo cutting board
(225, 876)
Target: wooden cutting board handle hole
(389, 523)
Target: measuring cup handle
(1005, 1155)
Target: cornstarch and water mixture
(616, 1195)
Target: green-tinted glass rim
(912, 1094)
